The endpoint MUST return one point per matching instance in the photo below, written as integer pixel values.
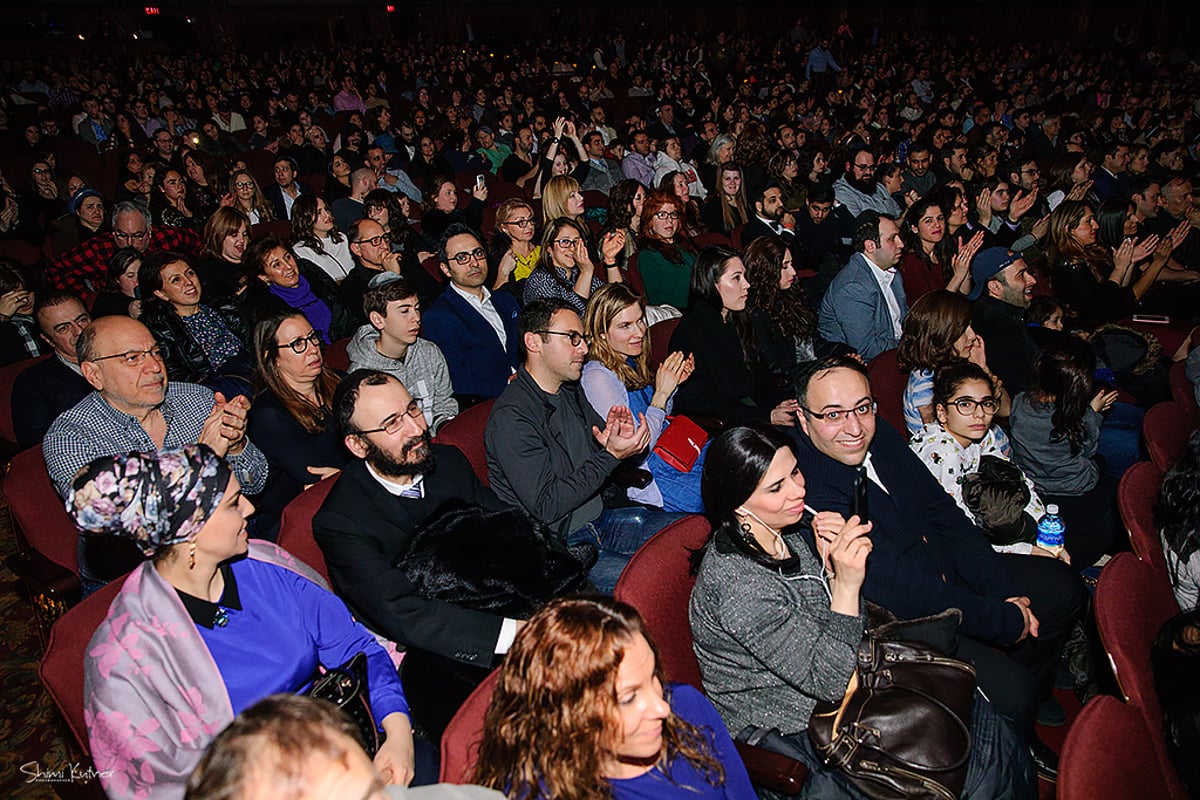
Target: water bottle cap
(1052, 509)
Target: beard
(866, 186)
(408, 464)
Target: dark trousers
(1092, 521)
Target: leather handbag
(903, 728)
(680, 443)
(346, 688)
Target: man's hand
(1021, 204)
(620, 436)
(391, 262)
(1030, 627)
(233, 423)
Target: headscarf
(155, 499)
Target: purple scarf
(314, 309)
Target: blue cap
(986, 264)
(77, 199)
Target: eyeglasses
(40, 170)
(395, 423)
(466, 257)
(575, 336)
(521, 223)
(376, 241)
(864, 166)
(134, 358)
(967, 405)
(838, 414)
(666, 215)
(566, 243)
(130, 237)
(301, 344)
(244, 185)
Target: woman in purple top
(580, 711)
(201, 631)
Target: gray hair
(719, 141)
(130, 207)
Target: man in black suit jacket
(397, 481)
(50, 387)
(286, 169)
(767, 200)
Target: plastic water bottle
(1050, 530)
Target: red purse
(680, 443)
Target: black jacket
(724, 385)
(258, 301)
(363, 530)
(184, 356)
(1011, 350)
(42, 392)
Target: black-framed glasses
(467, 256)
(244, 185)
(565, 243)
(967, 405)
(130, 237)
(575, 336)
(134, 358)
(377, 241)
(300, 344)
(666, 215)
(394, 423)
(840, 414)
(521, 223)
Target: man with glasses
(391, 342)
(84, 268)
(857, 191)
(927, 556)
(48, 388)
(550, 454)
(475, 328)
(134, 408)
(372, 251)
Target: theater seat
(633, 275)
(1136, 496)
(49, 562)
(1108, 755)
(336, 355)
(1166, 428)
(279, 228)
(461, 739)
(8, 376)
(1183, 391)
(660, 340)
(295, 525)
(887, 385)
(466, 433)
(713, 239)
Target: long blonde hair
(605, 304)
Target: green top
(666, 282)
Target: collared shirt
(93, 428)
(487, 309)
(884, 278)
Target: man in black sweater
(46, 389)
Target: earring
(192, 555)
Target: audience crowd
(285, 269)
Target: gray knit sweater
(769, 646)
(423, 372)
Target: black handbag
(903, 728)
(346, 688)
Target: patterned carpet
(29, 727)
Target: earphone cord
(826, 575)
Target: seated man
(767, 200)
(391, 342)
(927, 555)
(475, 329)
(133, 408)
(1001, 288)
(45, 390)
(865, 305)
(551, 454)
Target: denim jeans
(1121, 438)
(618, 533)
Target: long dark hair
(709, 267)
(1177, 512)
(314, 419)
(1066, 371)
(787, 308)
(620, 204)
(1110, 220)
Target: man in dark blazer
(284, 192)
(46, 389)
(767, 200)
(476, 329)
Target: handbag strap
(962, 728)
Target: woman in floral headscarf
(200, 632)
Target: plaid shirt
(93, 428)
(84, 268)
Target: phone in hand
(858, 502)
(479, 181)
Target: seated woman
(1055, 434)
(337, 177)
(390, 210)
(169, 201)
(291, 412)
(927, 248)
(565, 268)
(618, 373)
(725, 209)
(581, 711)
(1069, 178)
(562, 197)
(677, 184)
(215, 631)
(85, 218)
(513, 249)
(199, 343)
(776, 628)
(440, 209)
(665, 253)
(315, 237)
(625, 204)
(221, 264)
(952, 447)
(783, 320)
(730, 382)
(1098, 284)
(20, 336)
(937, 331)
(249, 199)
(280, 282)
(1177, 517)
(122, 298)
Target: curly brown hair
(931, 328)
(554, 721)
(787, 308)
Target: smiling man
(927, 556)
(48, 388)
(1002, 287)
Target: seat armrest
(772, 771)
(45, 578)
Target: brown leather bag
(903, 728)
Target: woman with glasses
(665, 253)
(280, 282)
(247, 197)
(200, 343)
(513, 248)
(292, 411)
(953, 446)
(316, 238)
(726, 208)
(677, 184)
(565, 268)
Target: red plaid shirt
(84, 268)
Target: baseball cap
(986, 264)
